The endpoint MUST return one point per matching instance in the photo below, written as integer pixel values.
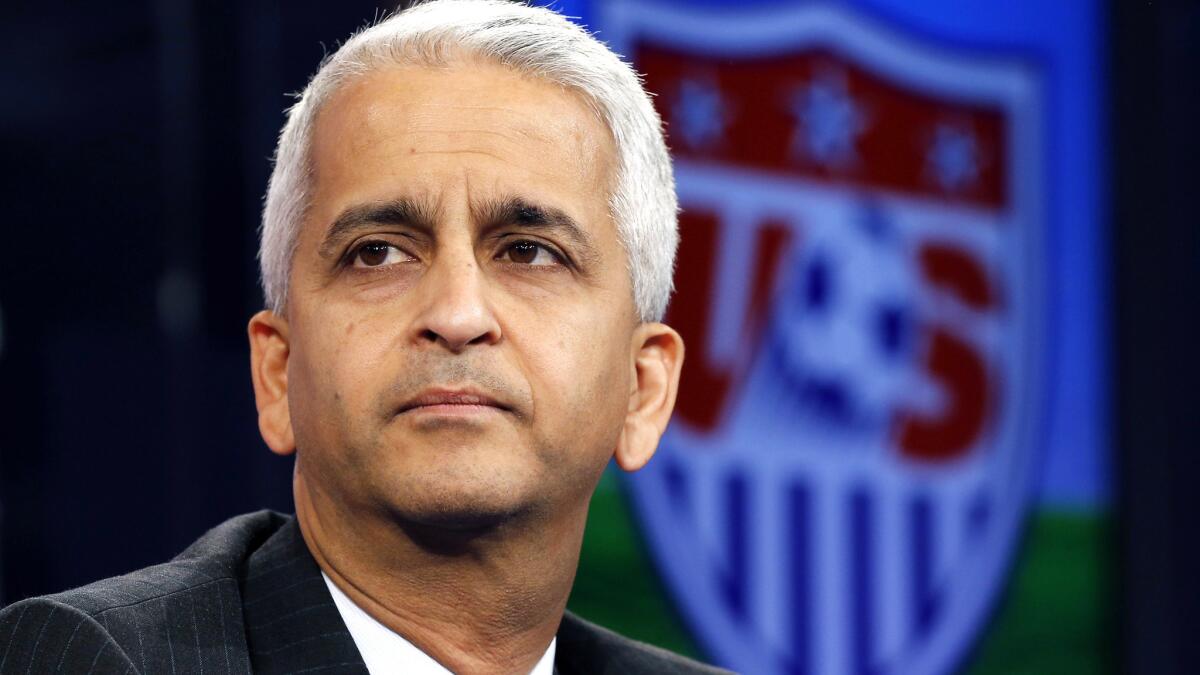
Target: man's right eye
(378, 254)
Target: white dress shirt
(386, 652)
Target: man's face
(460, 316)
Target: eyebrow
(494, 214)
(490, 215)
(402, 211)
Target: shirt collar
(385, 651)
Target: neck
(487, 600)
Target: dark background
(1156, 145)
(135, 140)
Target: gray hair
(532, 41)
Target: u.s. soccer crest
(859, 287)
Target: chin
(461, 518)
(464, 506)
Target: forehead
(425, 130)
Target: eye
(529, 253)
(377, 254)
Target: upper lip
(446, 396)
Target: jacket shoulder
(218, 555)
(43, 635)
(586, 648)
(152, 617)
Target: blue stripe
(861, 582)
(800, 537)
(924, 601)
(735, 578)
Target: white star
(953, 157)
(829, 122)
(699, 114)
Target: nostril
(430, 335)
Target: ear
(269, 349)
(657, 361)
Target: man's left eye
(377, 254)
(529, 253)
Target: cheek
(583, 382)
(330, 371)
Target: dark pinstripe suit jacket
(245, 597)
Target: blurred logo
(859, 286)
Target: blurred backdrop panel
(892, 451)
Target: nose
(456, 313)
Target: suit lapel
(573, 655)
(291, 621)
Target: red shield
(859, 287)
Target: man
(467, 246)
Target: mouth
(440, 401)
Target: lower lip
(453, 410)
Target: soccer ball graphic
(845, 327)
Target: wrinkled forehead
(405, 104)
(415, 131)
